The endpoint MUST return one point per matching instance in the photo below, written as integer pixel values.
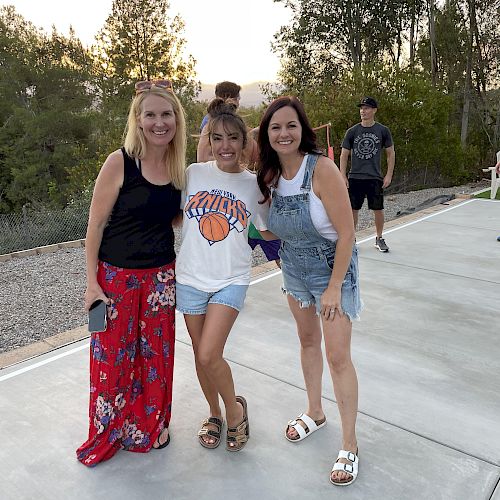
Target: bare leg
(194, 325)
(309, 332)
(355, 217)
(379, 222)
(337, 335)
(218, 323)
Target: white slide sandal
(312, 426)
(351, 469)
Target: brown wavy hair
(270, 167)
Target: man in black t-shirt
(365, 141)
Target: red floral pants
(131, 363)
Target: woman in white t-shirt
(213, 266)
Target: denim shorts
(307, 272)
(190, 300)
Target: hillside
(251, 94)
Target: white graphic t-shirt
(217, 209)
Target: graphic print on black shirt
(366, 145)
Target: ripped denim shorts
(307, 272)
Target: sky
(229, 39)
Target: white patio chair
(495, 181)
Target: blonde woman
(131, 267)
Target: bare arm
(251, 153)
(254, 133)
(330, 188)
(391, 160)
(106, 189)
(204, 150)
(497, 166)
(267, 235)
(344, 157)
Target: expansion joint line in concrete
(495, 489)
(187, 344)
(378, 419)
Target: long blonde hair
(135, 142)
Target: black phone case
(97, 316)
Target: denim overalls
(306, 256)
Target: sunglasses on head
(148, 84)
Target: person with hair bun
(130, 258)
(230, 92)
(213, 266)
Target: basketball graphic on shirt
(217, 213)
(214, 226)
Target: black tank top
(139, 232)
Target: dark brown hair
(270, 166)
(227, 89)
(222, 111)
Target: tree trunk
(475, 32)
(352, 39)
(412, 36)
(354, 33)
(467, 88)
(432, 39)
(399, 43)
(496, 137)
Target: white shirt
(319, 217)
(218, 208)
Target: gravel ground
(42, 295)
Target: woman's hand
(331, 302)
(93, 293)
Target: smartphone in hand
(97, 316)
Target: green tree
(139, 41)
(46, 96)
(326, 39)
(428, 151)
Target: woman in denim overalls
(310, 212)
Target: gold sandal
(211, 433)
(237, 437)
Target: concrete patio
(427, 352)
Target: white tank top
(319, 217)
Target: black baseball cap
(368, 101)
